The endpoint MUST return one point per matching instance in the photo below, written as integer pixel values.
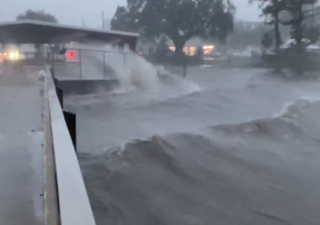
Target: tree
(38, 16)
(300, 10)
(271, 10)
(123, 20)
(218, 18)
(299, 13)
(179, 20)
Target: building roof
(29, 31)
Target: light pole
(102, 20)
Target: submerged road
(242, 150)
(22, 150)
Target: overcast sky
(75, 11)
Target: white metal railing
(74, 204)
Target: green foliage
(37, 15)
(123, 21)
(298, 11)
(270, 10)
(180, 20)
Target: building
(247, 25)
(191, 47)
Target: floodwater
(224, 146)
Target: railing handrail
(93, 49)
(74, 204)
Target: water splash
(134, 72)
(131, 69)
(136, 75)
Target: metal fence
(90, 63)
(83, 64)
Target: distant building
(191, 47)
(247, 25)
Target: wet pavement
(22, 156)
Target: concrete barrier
(82, 87)
(74, 205)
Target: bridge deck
(22, 153)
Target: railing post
(52, 63)
(80, 64)
(71, 121)
(69, 117)
(47, 56)
(60, 95)
(104, 64)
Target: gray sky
(73, 12)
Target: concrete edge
(74, 202)
(51, 193)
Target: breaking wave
(264, 171)
(137, 73)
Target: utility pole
(102, 20)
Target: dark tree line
(179, 20)
(40, 15)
